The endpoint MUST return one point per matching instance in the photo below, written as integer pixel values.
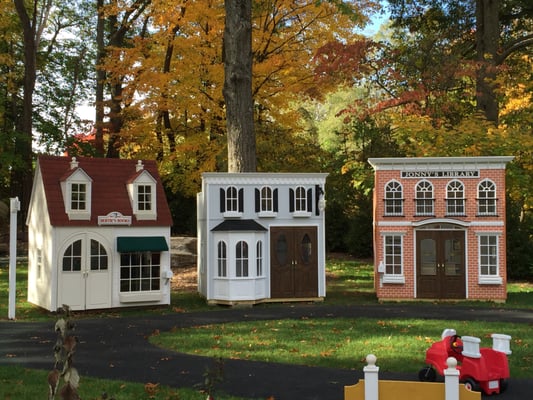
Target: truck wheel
(472, 385)
(427, 374)
(503, 385)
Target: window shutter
(291, 200)
(310, 200)
(275, 200)
(257, 200)
(241, 200)
(222, 200)
(317, 199)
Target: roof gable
(109, 193)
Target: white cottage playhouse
(99, 234)
(261, 237)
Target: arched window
(486, 202)
(72, 257)
(222, 259)
(424, 198)
(98, 256)
(241, 259)
(393, 198)
(259, 258)
(455, 198)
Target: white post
(451, 380)
(371, 378)
(15, 207)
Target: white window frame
(242, 259)
(486, 198)
(222, 259)
(79, 177)
(488, 261)
(393, 205)
(424, 199)
(259, 258)
(396, 278)
(141, 213)
(455, 198)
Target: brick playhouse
(439, 228)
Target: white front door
(85, 279)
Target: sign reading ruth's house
(441, 174)
(114, 218)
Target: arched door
(84, 274)
(293, 262)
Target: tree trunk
(487, 40)
(21, 182)
(100, 79)
(238, 86)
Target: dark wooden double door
(441, 264)
(293, 262)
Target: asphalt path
(118, 348)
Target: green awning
(131, 244)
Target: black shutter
(275, 200)
(291, 200)
(241, 200)
(257, 200)
(222, 200)
(317, 199)
(310, 200)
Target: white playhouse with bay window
(261, 237)
(99, 234)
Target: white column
(451, 380)
(371, 378)
(15, 207)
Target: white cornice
(439, 163)
(263, 178)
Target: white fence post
(12, 298)
(371, 378)
(451, 380)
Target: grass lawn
(17, 383)
(340, 342)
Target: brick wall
(470, 222)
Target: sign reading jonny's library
(441, 174)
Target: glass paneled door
(440, 264)
(84, 275)
(293, 262)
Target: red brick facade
(439, 228)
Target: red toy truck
(481, 369)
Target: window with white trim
(72, 257)
(424, 198)
(78, 196)
(393, 198)
(259, 258)
(98, 256)
(301, 201)
(393, 258)
(266, 201)
(140, 272)
(241, 259)
(455, 198)
(144, 197)
(231, 201)
(486, 198)
(489, 268)
(222, 259)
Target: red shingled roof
(109, 193)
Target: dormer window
(142, 192)
(144, 197)
(76, 190)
